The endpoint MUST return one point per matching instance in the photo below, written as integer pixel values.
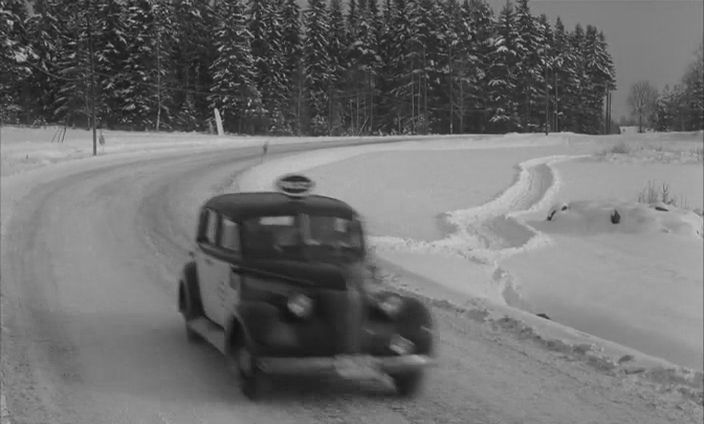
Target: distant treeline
(681, 108)
(391, 66)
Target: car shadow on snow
(148, 356)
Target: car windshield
(315, 237)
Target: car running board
(208, 330)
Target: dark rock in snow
(625, 358)
(543, 315)
(615, 217)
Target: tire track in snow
(491, 232)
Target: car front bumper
(344, 365)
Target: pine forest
(335, 67)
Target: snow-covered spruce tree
(454, 55)
(352, 18)
(408, 68)
(606, 62)
(481, 47)
(386, 102)
(350, 95)
(317, 67)
(373, 15)
(15, 56)
(530, 50)
(193, 52)
(664, 108)
(64, 36)
(266, 26)
(110, 48)
(364, 63)
(291, 46)
(575, 91)
(563, 77)
(147, 72)
(234, 91)
(337, 51)
(72, 102)
(431, 21)
(693, 87)
(599, 79)
(163, 36)
(681, 108)
(462, 73)
(544, 107)
(503, 74)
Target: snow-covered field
(470, 216)
(23, 149)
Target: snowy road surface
(91, 332)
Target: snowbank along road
(91, 253)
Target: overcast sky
(652, 40)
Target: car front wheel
(242, 362)
(408, 383)
(189, 313)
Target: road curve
(91, 331)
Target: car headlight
(401, 345)
(300, 305)
(391, 304)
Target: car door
(226, 269)
(205, 264)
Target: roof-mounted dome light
(295, 185)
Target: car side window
(230, 238)
(211, 227)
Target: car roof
(241, 206)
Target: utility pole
(89, 18)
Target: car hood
(326, 275)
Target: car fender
(189, 280)
(250, 319)
(415, 323)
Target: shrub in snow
(653, 194)
(557, 208)
(596, 217)
(620, 148)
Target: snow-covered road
(91, 332)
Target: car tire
(251, 379)
(189, 311)
(408, 383)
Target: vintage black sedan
(280, 283)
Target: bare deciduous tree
(642, 99)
